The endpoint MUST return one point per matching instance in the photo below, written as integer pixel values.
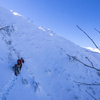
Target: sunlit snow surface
(93, 49)
(48, 73)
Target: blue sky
(62, 16)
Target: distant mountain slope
(48, 73)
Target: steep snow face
(48, 73)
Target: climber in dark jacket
(15, 68)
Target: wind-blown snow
(48, 73)
(93, 49)
(17, 14)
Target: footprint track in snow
(35, 84)
(8, 88)
(30, 73)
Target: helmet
(21, 58)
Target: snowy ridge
(48, 73)
(93, 49)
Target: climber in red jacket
(19, 62)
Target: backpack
(19, 61)
(23, 60)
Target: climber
(16, 69)
(19, 62)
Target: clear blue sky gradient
(62, 16)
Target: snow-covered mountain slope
(48, 73)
